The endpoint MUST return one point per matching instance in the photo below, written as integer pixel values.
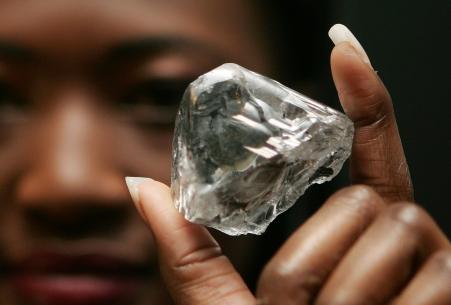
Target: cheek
(159, 154)
(162, 146)
(142, 152)
(15, 240)
(161, 139)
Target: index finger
(191, 262)
(377, 158)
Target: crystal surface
(246, 148)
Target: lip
(51, 278)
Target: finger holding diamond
(191, 261)
(377, 156)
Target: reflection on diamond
(246, 147)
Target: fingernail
(133, 184)
(340, 33)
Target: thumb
(377, 155)
(191, 262)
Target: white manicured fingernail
(133, 185)
(340, 33)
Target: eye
(154, 102)
(12, 105)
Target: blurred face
(88, 94)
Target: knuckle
(208, 288)
(361, 199)
(297, 286)
(442, 259)
(358, 191)
(196, 273)
(417, 228)
(271, 277)
(265, 293)
(198, 256)
(411, 217)
(376, 106)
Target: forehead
(71, 28)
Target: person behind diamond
(88, 91)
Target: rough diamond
(246, 148)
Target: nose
(72, 185)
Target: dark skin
(368, 244)
(75, 119)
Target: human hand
(363, 246)
(357, 249)
(377, 157)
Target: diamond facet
(246, 148)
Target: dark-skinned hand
(368, 244)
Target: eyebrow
(14, 51)
(151, 45)
(126, 50)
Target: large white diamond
(246, 147)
